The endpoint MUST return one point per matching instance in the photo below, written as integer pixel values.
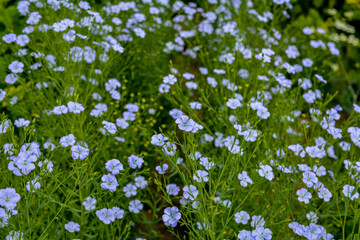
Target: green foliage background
(319, 13)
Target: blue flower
(68, 140)
(325, 194)
(25, 162)
(110, 127)
(349, 191)
(162, 169)
(266, 171)
(79, 152)
(171, 216)
(261, 233)
(169, 149)
(158, 139)
(15, 235)
(75, 107)
(33, 184)
(257, 220)
(185, 123)
(242, 217)
(58, 110)
(89, 203)
(244, 179)
(201, 176)
(114, 166)
(9, 198)
(135, 206)
(106, 215)
(135, 161)
(109, 182)
(245, 235)
(16, 67)
(118, 213)
(190, 192)
(309, 178)
(304, 195)
(122, 123)
(130, 190)
(169, 79)
(176, 113)
(172, 189)
(140, 182)
(72, 227)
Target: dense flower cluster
(209, 118)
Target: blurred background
(340, 18)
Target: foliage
(173, 120)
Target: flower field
(169, 119)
